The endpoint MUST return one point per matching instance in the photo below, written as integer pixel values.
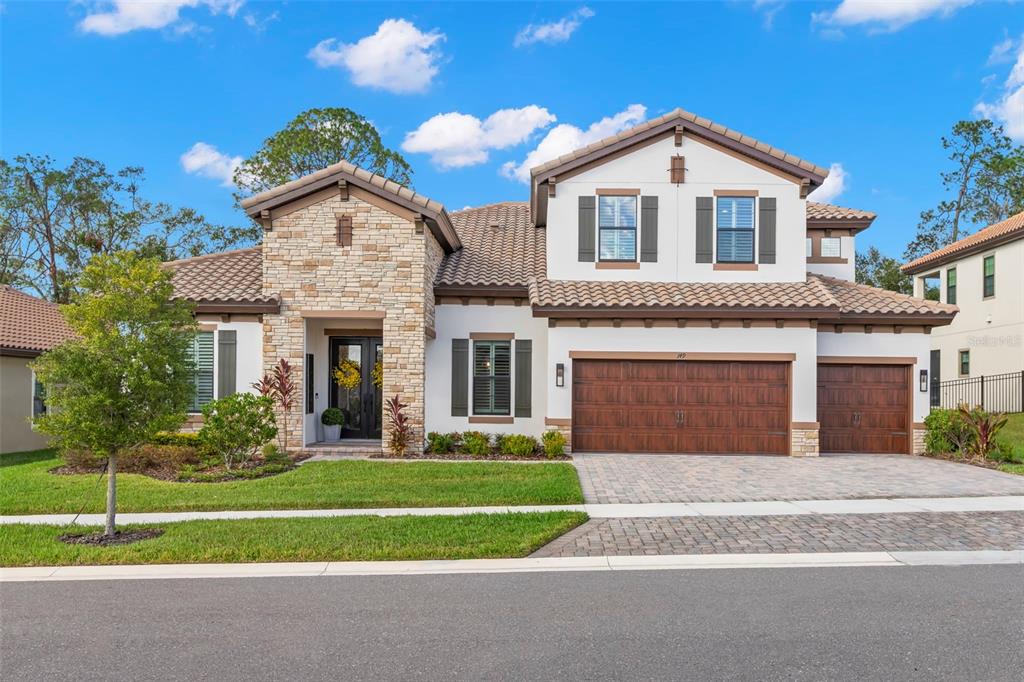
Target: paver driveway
(623, 479)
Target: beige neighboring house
(28, 327)
(983, 274)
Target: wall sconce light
(924, 381)
(560, 375)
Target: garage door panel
(753, 444)
(762, 396)
(863, 408)
(760, 420)
(640, 418)
(652, 394)
(596, 394)
(655, 441)
(700, 396)
(708, 418)
(597, 370)
(650, 372)
(601, 417)
(695, 372)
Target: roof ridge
(1007, 227)
(208, 256)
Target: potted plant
(333, 419)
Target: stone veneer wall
(804, 443)
(919, 435)
(390, 267)
(565, 430)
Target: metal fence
(997, 393)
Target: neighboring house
(669, 289)
(28, 327)
(983, 274)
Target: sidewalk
(595, 511)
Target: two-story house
(669, 289)
(983, 274)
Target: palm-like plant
(984, 426)
(279, 385)
(400, 433)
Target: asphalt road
(933, 623)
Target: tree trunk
(111, 494)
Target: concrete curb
(595, 511)
(527, 565)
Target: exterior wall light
(560, 375)
(924, 381)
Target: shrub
(554, 443)
(236, 427)
(983, 427)
(175, 438)
(476, 443)
(947, 433)
(400, 433)
(519, 445)
(273, 455)
(332, 416)
(148, 458)
(440, 443)
(500, 441)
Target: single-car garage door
(672, 406)
(863, 408)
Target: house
(668, 289)
(28, 327)
(983, 274)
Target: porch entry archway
(362, 400)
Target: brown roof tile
(226, 277)
(860, 299)
(817, 210)
(28, 324)
(1011, 228)
(500, 247)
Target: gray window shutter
(588, 229)
(649, 229)
(524, 376)
(766, 230)
(460, 377)
(226, 362)
(705, 228)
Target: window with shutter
(734, 218)
(202, 376)
(492, 377)
(616, 217)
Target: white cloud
(259, 23)
(1008, 108)
(455, 140)
(123, 16)
(398, 58)
(553, 32)
(886, 15)
(1002, 52)
(564, 138)
(206, 160)
(768, 10)
(834, 185)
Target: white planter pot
(332, 433)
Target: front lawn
(28, 487)
(353, 538)
(1012, 436)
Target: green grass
(1012, 468)
(27, 487)
(1013, 435)
(354, 538)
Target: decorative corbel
(419, 224)
(805, 188)
(551, 188)
(648, 322)
(265, 219)
(679, 136)
(343, 189)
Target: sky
(473, 94)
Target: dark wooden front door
(670, 406)
(361, 403)
(864, 408)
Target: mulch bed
(983, 462)
(118, 538)
(464, 457)
(170, 473)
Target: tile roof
(695, 120)
(226, 277)
(29, 324)
(1011, 228)
(860, 299)
(500, 247)
(817, 210)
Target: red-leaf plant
(984, 426)
(279, 385)
(400, 433)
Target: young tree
(128, 374)
(877, 270)
(316, 139)
(53, 220)
(280, 386)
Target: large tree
(878, 270)
(985, 184)
(53, 220)
(316, 139)
(128, 372)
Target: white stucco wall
(707, 169)
(458, 322)
(883, 345)
(16, 383)
(800, 341)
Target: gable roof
(434, 213)
(1000, 233)
(29, 325)
(225, 282)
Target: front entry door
(361, 401)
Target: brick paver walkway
(955, 531)
(620, 479)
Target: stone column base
(563, 426)
(918, 444)
(804, 441)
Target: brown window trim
(960, 364)
(492, 336)
(828, 260)
(736, 193)
(815, 236)
(736, 267)
(617, 192)
(491, 420)
(616, 265)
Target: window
(831, 247)
(951, 285)
(735, 220)
(309, 383)
(202, 377)
(38, 397)
(809, 247)
(965, 363)
(617, 228)
(492, 372)
(989, 278)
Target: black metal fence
(997, 393)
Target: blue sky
(473, 92)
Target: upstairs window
(734, 218)
(989, 277)
(202, 370)
(492, 377)
(617, 228)
(965, 363)
(951, 285)
(831, 247)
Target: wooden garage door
(675, 406)
(863, 408)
